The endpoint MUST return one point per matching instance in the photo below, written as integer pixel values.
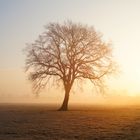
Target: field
(38, 122)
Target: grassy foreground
(29, 122)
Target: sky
(21, 21)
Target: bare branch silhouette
(68, 52)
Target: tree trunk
(64, 106)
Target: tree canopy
(68, 52)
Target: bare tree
(68, 52)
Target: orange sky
(22, 21)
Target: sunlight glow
(22, 22)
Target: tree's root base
(62, 109)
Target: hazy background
(21, 21)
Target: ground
(34, 122)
